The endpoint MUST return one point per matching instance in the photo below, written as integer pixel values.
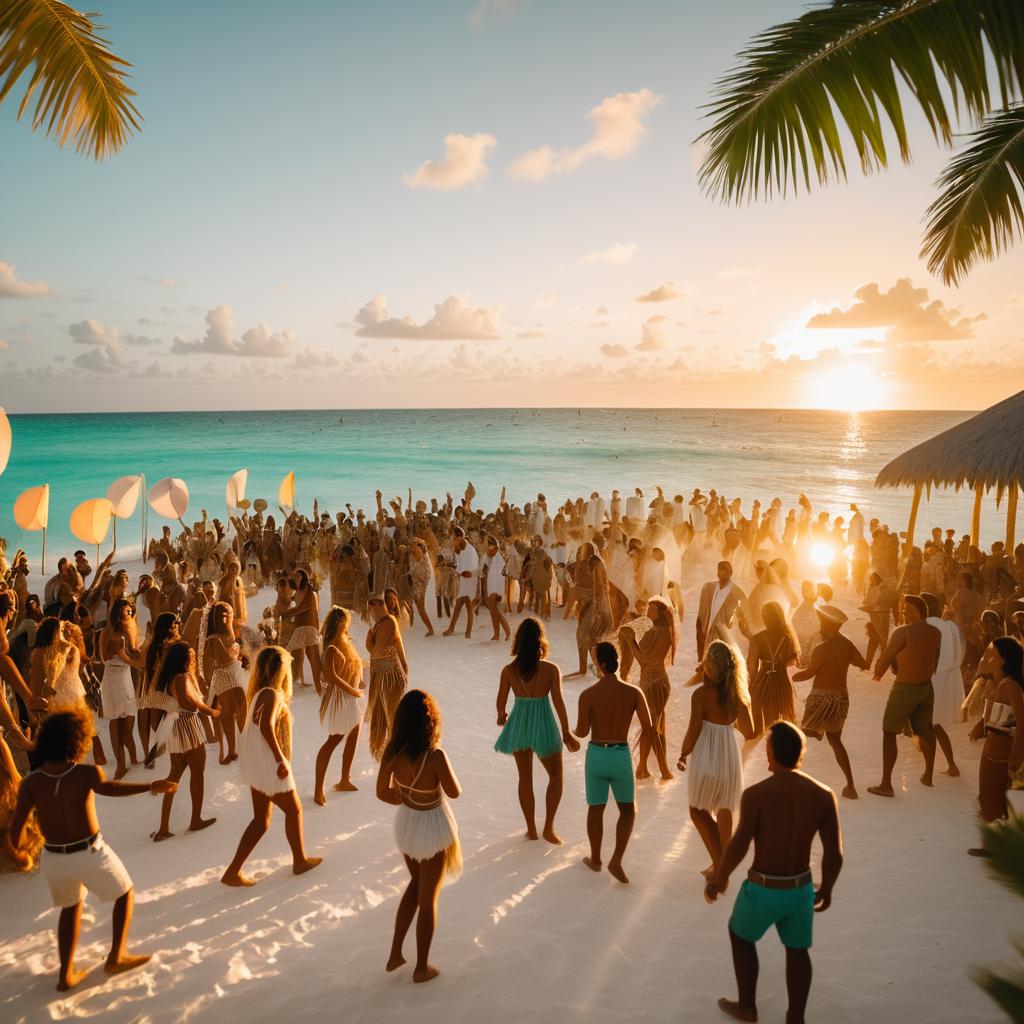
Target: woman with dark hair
(389, 672)
(264, 763)
(119, 652)
(1003, 754)
(772, 651)
(180, 732)
(536, 684)
(417, 777)
(152, 702)
(225, 671)
(305, 614)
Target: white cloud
(12, 288)
(453, 320)
(618, 129)
(663, 293)
(465, 162)
(261, 342)
(92, 332)
(257, 342)
(620, 252)
(652, 335)
(101, 359)
(615, 351)
(141, 340)
(310, 358)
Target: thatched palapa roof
(987, 449)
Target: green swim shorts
(790, 910)
(910, 702)
(609, 766)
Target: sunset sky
(464, 204)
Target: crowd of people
(176, 662)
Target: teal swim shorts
(790, 910)
(609, 766)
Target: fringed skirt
(117, 692)
(657, 689)
(226, 678)
(387, 684)
(423, 834)
(304, 636)
(180, 732)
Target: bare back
(607, 708)
(64, 803)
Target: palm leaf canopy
(79, 86)
(778, 118)
(987, 449)
(979, 211)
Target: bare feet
(737, 1012)
(147, 764)
(448, 632)
(120, 773)
(101, 760)
(552, 837)
(125, 962)
(230, 758)
(431, 633)
(395, 961)
(881, 790)
(666, 776)
(709, 872)
(319, 799)
(307, 865)
(850, 793)
(531, 833)
(159, 837)
(345, 786)
(642, 773)
(69, 980)
(200, 824)
(422, 974)
(926, 780)
(237, 881)
(615, 870)
(594, 865)
(952, 771)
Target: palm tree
(79, 86)
(777, 117)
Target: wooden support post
(909, 545)
(979, 492)
(1011, 518)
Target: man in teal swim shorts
(781, 816)
(605, 714)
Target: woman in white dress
(417, 777)
(720, 705)
(181, 733)
(224, 668)
(264, 763)
(342, 707)
(119, 652)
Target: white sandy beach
(528, 933)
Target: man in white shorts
(75, 857)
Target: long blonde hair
(726, 671)
(272, 670)
(667, 620)
(334, 633)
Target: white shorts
(97, 869)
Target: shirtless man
(61, 792)
(828, 703)
(913, 650)
(781, 815)
(606, 712)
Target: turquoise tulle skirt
(531, 726)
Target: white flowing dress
(256, 764)
(715, 770)
(947, 682)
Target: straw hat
(831, 613)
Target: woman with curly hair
(417, 777)
(264, 763)
(224, 669)
(536, 684)
(341, 709)
(720, 705)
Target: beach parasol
(286, 492)
(235, 493)
(169, 498)
(5, 439)
(123, 495)
(984, 453)
(32, 512)
(90, 521)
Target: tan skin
(828, 667)
(606, 711)
(913, 650)
(221, 652)
(149, 718)
(781, 816)
(268, 704)
(417, 553)
(120, 643)
(419, 901)
(546, 682)
(384, 633)
(654, 649)
(186, 692)
(306, 612)
(337, 671)
(498, 621)
(8, 670)
(461, 602)
(1001, 753)
(66, 816)
(715, 830)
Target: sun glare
(847, 389)
(822, 554)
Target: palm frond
(980, 209)
(79, 86)
(778, 117)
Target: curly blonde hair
(726, 672)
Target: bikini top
(432, 797)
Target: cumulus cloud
(102, 359)
(258, 342)
(141, 340)
(453, 320)
(615, 351)
(652, 335)
(92, 332)
(905, 311)
(620, 252)
(465, 162)
(310, 358)
(663, 293)
(12, 288)
(618, 128)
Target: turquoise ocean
(345, 455)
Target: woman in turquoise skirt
(531, 729)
